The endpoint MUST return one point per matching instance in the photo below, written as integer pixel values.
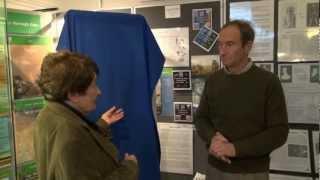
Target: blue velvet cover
(130, 64)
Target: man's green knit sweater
(249, 110)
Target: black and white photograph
(182, 111)
(297, 150)
(313, 15)
(286, 73)
(197, 89)
(181, 79)
(205, 38)
(201, 17)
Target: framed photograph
(181, 79)
(285, 73)
(197, 89)
(314, 73)
(205, 38)
(182, 111)
(313, 14)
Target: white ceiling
(31, 4)
(62, 5)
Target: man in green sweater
(242, 115)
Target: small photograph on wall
(204, 65)
(289, 17)
(181, 79)
(201, 17)
(205, 38)
(266, 66)
(286, 73)
(312, 14)
(197, 89)
(314, 73)
(182, 111)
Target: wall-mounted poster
(261, 15)
(294, 155)
(201, 17)
(26, 53)
(174, 44)
(302, 91)
(205, 38)
(298, 34)
(172, 11)
(181, 79)
(176, 142)
(182, 111)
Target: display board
(186, 34)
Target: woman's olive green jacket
(67, 148)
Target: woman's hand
(130, 157)
(112, 115)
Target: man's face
(87, 102)
(232, 53)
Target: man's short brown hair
(66, 72)
(246, 31)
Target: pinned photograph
(182, 111)
(204, 65)
(205, 38)
(181, 79)
(265, 66)
(197, 89)
(201, 17)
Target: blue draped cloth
(130, 64)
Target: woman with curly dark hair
(67, 145)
